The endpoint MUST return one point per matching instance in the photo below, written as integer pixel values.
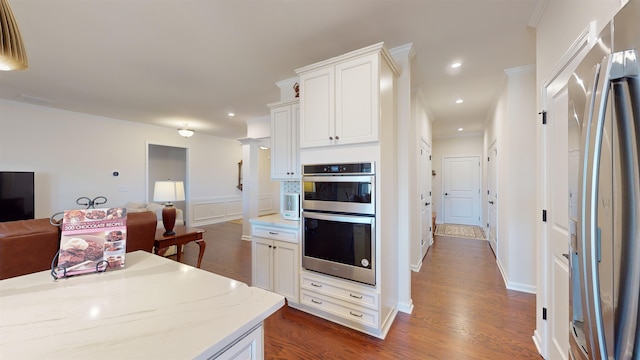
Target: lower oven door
(340, 245)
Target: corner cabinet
(285, 163)
(340, 98)
(275, 259)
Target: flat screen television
(16, 195)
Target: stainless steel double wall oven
(338, 218)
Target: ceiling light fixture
(460, 129)
(13, 55)
(186, 132)
(231, 114)
(456, 65)
(459, 101)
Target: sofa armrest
(141, 231)
(27, 246)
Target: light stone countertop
(154, 308)
(275, 220)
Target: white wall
(74, 155)
(517, 182)
(512, 125)
(453, 146)
(269, 190)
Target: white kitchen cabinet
(340, 99)
(275, 260)
(249, 347)
(285, 162)
(346, 302)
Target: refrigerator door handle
(596, 321)
(583, 231)
(626, 105)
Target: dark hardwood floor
(461, 308)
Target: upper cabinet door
(285, 163)
(281, 142)
(317, 108)
(357, 100)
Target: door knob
(491, 202)
(446, 193)
(566, 255)
(427, 204)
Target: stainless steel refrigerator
(604, 128)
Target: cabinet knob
(337, 137)
(330, 137)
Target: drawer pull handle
(273, 233)
(316, 302)
(354, 314)
(355, 296)
(316, 285)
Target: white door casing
(492, 197)
(461, 190)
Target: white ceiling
(170, 62)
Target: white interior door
(557, 225)
(461, 190)
(426, 236)
(492, 197)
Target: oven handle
(358, 219)
(339, 178)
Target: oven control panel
(339, 169)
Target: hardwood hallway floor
(461, 308)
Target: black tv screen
(16, 195)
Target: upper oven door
(349, 194)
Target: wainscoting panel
(215, 210)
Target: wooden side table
(184, 235)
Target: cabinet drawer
(340, 308)
(276, 234)
(349, 292)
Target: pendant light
(12, 52)
(185, 131)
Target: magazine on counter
(92, 240)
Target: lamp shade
(12, 53)
(168, 191)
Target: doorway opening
(167, 163)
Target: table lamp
(168, 191)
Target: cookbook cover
(93, 240)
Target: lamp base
(169, 219)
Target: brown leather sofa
(29, 246)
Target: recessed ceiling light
(456, 65)
(231, 114)
(460, 129)
(459, 101)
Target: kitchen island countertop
(154, 308)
